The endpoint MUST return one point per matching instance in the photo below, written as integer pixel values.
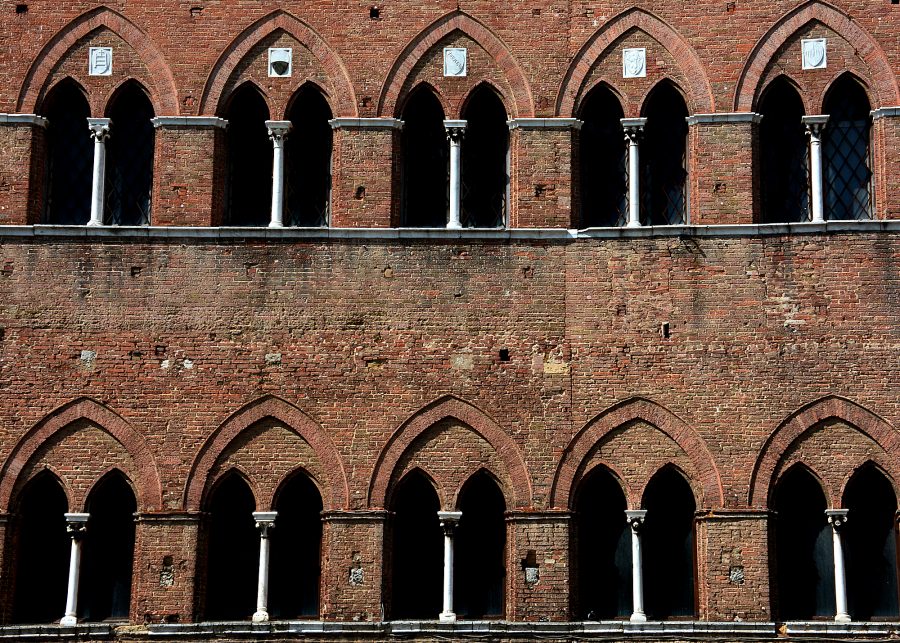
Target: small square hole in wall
(21, 8)
(504, 354)
(375, 12)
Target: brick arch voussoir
(343, 103)
(164, 93)
(708, 481)
(522, 101)
(883, 81)
(478, 421)
(699, 90)
(336, 493)
(147, 481)
(798, 423)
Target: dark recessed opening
(504, 354)
(374, 13)
(23, 8)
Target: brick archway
(883, 81)
(832, 406)
(699, 91)
(149, 487)
(335, 495)
(691, 443)
(164, 94)
(474, 418)
(344, 104)
(521, 103)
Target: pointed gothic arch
(699, 91)
(810, 415)
(344, 100)
(147, 482)
(482, 424)
(336, 493)
(883, 82)
(521, 103)
(164, 93)
(709, 483)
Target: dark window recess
(784, 155)
(480, 562)
(70, 154)
(870, 539)
(485, 148)
(602, 549)
(108, 551)
(416, 550)
(603, 161)
(847, 176)
(308, 160)
(664, 158)
(129, 160)
(232, 562)
(41, 563)
(668, 539)
(425, 161)
(804, 563)
(249, 182)
(295, 563)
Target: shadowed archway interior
(485, 150)
(308, 160)
(664, 158)
(249, 178)
(847, 172)
(425, 161)
(783, 152)
(70, 154)
(602, 155)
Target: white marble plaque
(281, 62)
(456, 62)
(100, 61)
(634, 63)
(815, 53)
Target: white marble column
(635, 519)
(278, 132)
(100, 130)
(456, 131)
(265, 522)
(634, 129)
(837, 518)
(449, 520)
(76, 525)
(815, 125)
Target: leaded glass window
(129, 160)
(664, 158)
(847, 167)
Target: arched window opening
(480, 563)
(129, 163)
(417, 556)
(108, 551)
(848, 173)
(664, 158)
(783, 155)
(70, 156)
(803, 548)
(603, 548)
(42, 552)
(249, 186)
(295, 565)
(485, 160)
(668, 556)
(871, 546)
(232, 566)
(308, 160)
(603, 161)
(425, 161)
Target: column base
(260, 617)
(447, 617)
(638, 617)
(842, 618)
(93, 224)
(634, 224)
(454, 226)
(275, 224)
(68, 621)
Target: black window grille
(784, 152)
(308, 161)
(129, 160)
(70, 156)
(425, 162)
(848, 174)
(664, 158)
(249, 184)
(603, 161)
(485, 150)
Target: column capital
(449, 520)
(815, 124)
(278, 130)
(635, 518)
(634, 128)
(456, 130)
(837, 518)
(76, 525)
(100, 128)
(265, 520)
